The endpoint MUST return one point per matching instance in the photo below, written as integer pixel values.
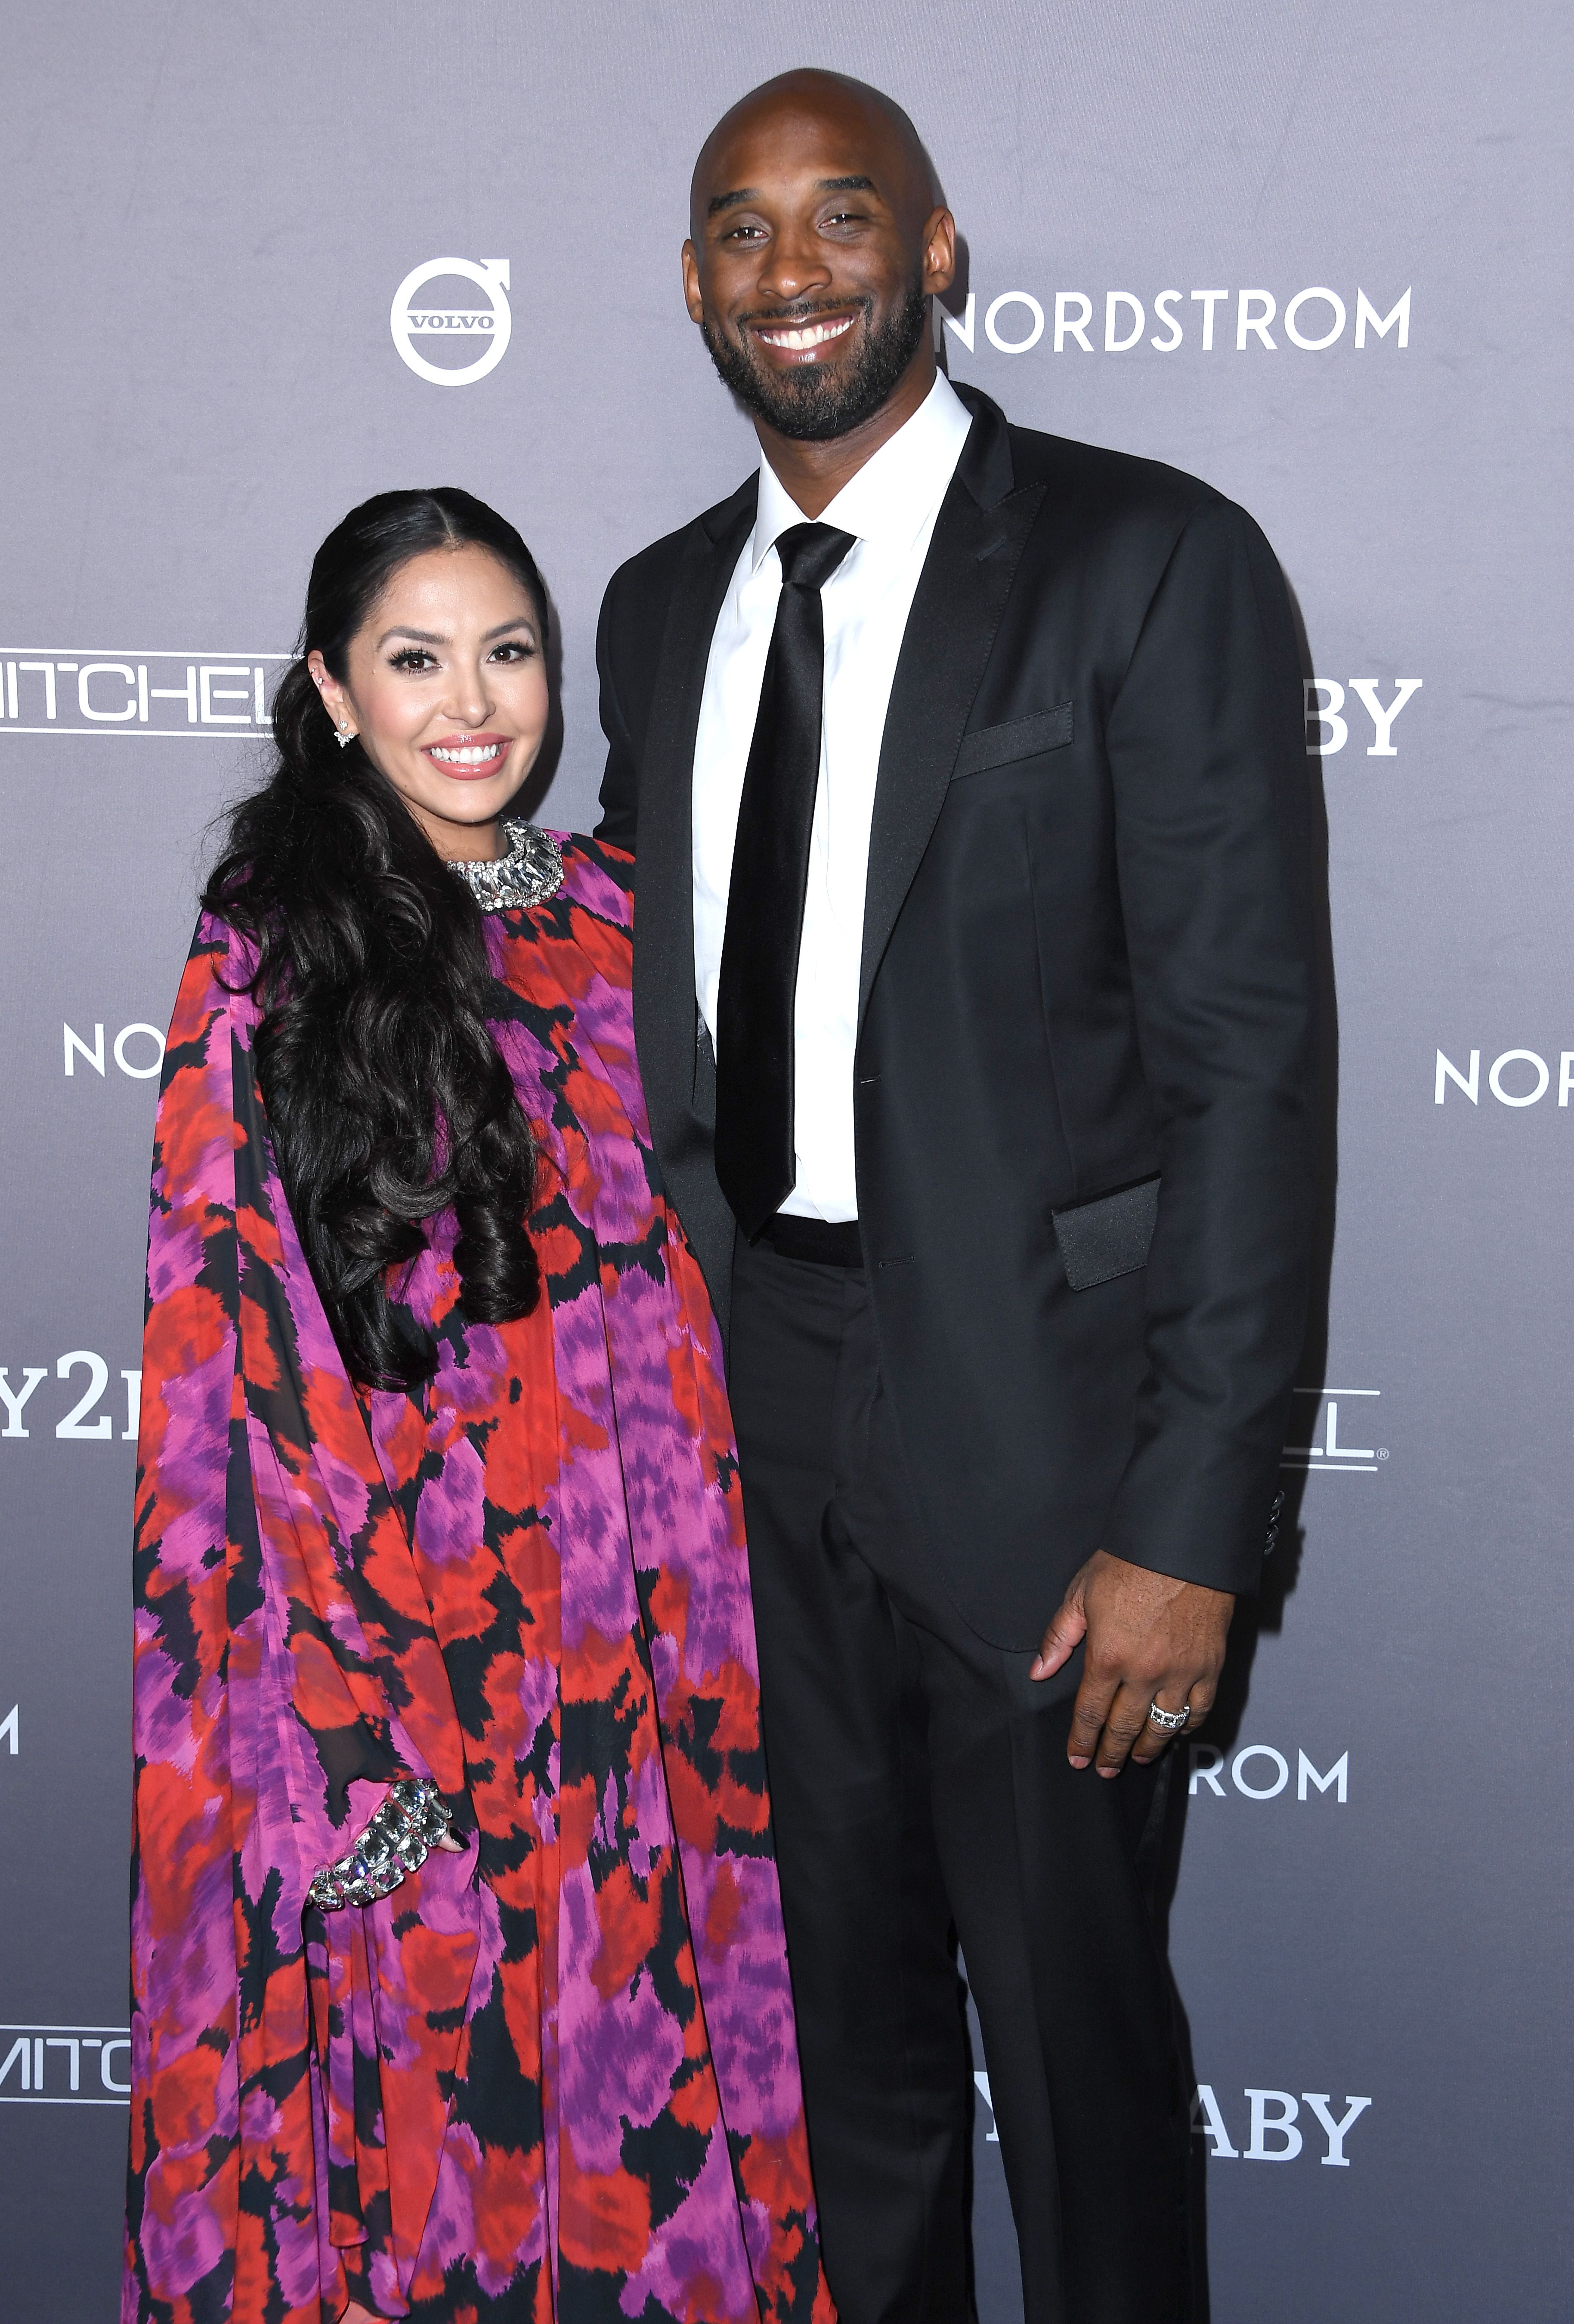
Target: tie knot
(811, 553)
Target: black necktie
(755, 1159)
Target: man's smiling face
(812, 253)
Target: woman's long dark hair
(387, 1096)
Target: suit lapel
(663, 924)
(979, 537)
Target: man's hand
(1150, 1639)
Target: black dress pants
(921, 1795)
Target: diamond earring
(344, 738)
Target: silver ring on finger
(1169, 1722)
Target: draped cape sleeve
(558, 2070)
(286, 1669)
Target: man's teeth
(811, 335)
(473, 754)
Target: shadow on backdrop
(1283, 1568)
(952, 302)
(527, 801)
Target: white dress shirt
(890, 508)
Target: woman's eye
(513, 650)
(412, 658)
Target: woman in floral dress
(460, 1987)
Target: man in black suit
(964, 771)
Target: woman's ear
(334, 699)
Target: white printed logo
(134, 691)
(1274, 2135)
(1518, 1078)
(66, 2065)
(84, 1424)
(1326, 1450)
(1314, 321)
(491, 324)
(1328, 728)
(138, 1051)
(1259, 1772)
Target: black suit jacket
(1084, 1061)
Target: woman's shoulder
(576, 938)
(215, 981)
(597, 877)
(228, 951)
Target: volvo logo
(487, 327)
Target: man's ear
(691, 298)
(940, 251)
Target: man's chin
(822, 407)
(810, 404)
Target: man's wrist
(1159, 1573)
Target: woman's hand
(412, 1821)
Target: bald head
(807, 105)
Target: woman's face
(446, 685)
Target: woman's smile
(465, 758)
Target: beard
(813, 403)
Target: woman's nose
(473, 699)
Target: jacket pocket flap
(1019, 738)
(1109, 1236)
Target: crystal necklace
(531, 871)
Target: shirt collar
(896, 491)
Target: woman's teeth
(473, 754)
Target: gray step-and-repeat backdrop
(263, 260)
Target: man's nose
(795, 264)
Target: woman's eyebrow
(422, 637)
(432, 637)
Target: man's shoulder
(653, 571)
(1124, 518)
(1101, 503)
(1095, 477)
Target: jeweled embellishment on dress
(404, 1829)
(531, 871)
